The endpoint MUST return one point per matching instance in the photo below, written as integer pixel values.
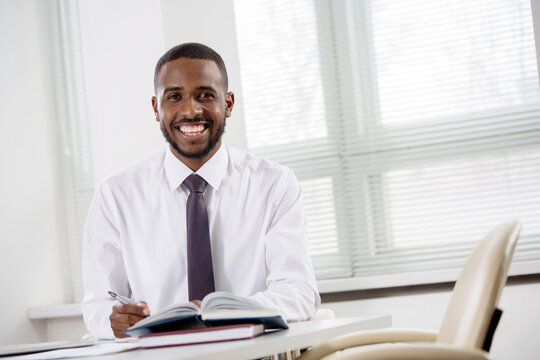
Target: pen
(122, 299)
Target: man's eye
(173, 97)
(206, 95)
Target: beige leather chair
(468, 325)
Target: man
(137, 239)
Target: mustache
(196, 119)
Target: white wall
(535, 5)
(32, 248)
(122, 40)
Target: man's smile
(191, 130)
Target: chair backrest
(478, 288)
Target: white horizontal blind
(74, 146)
(292, 77)
(285, 81)
(458, 57)
(431, 118)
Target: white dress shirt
(135, 236)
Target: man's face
(191, 106)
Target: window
(413, 126)
(74, 146)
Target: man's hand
(125, 315)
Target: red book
(201, 335)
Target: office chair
(468, 325)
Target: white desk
(299, 336)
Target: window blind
(74, 146)
(413, 126)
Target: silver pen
(122, 299)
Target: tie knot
(195, 183)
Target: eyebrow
(206, 88)
(173, 88)
(178, 88)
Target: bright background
(121, 41)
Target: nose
(190, 108)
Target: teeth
(191, 130)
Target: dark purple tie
(199, 253)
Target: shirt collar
(213, 171)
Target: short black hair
(192, 51)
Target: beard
(212, 142)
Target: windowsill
(412, 279)
(337, 289)
(55, 311)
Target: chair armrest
(366, 338)
(428, 351)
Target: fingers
(140, 309)
(125, 315)
(144, 305)
(197, 302)
(120, 322)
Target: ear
(155, 107)
(229, 103)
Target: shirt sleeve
(291, 285)
(102, 264)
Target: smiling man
(197, 217)
(191, 104)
